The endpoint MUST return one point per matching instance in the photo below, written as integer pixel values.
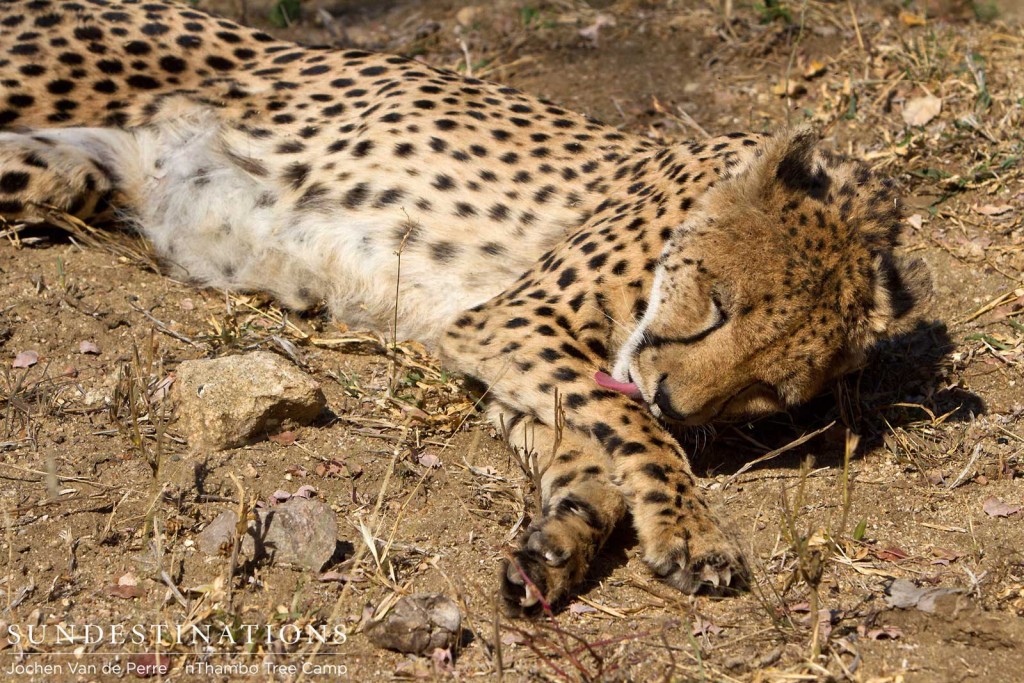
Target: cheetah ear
(786, 162)
(795, 168)
(903, 290)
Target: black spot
(464, 210)
(21, 100)
(443, 252)
(565, 374)
(47, 20)
(290, 147)
(313, 197)
(105, 86)
(60, 87)
(356, 196)
(143, 82)
(138, 47)
(567, 277)
(155, 29)
(655, 471)
(89, 33)
(498, 212)
(315, 70)
(172, 64)
(13, 181)
(443, 182)
(188, 42)
(110, 66)
(220, 63)
(388, 197)
(362, 148)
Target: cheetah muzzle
(594, 281)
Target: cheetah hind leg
(57, 169)
(580, 508)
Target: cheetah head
(780, 281)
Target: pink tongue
(605, 380)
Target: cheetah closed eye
(544, 253)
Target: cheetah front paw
(544, 570)
(707, 563)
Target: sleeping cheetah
(595, 282)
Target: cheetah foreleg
(579, 509)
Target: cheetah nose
(664, 401)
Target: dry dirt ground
(102, 499)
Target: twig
(162, 326)
(962, 477)
(856, 26)
(777, 452)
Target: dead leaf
(305, 491)
(284, 438)
(512, 638)
(25, 359)
(90, 347)
(944, 557)
(162, 388)
(890, 554)
(591, 32)
(342, 577)
(920, 110)
(442, 659)
(125, 591)
(814, 69)
(331, 468)
(581, 608)
(911, 19)
(915, 221)
(994, 507)
(993, 209)
(279, 496)
(703, 627)
(880, 633)
(905, 594)
(429, 460)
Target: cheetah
(597, 284)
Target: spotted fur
(724, 278)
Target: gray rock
(418, 624)
(232, 401)
(300, 532)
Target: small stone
(299, 532)
(233, 401)
(418, 624)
